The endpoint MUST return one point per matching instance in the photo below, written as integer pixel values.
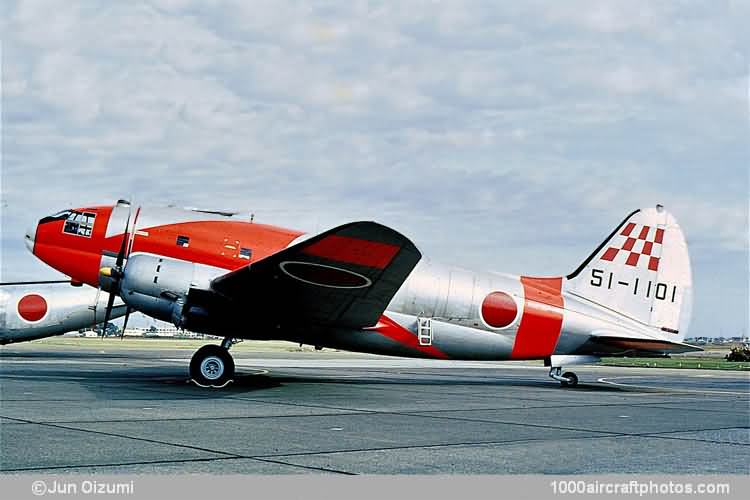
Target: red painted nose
(66, 242)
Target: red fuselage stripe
(353, 251)
(542, 318)
(389, 328)
(208, 240)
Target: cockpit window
(58, 216)
(79, 223)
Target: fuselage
(440, 311)
(30, 311)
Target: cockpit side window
(79, 223)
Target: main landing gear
(567, 379)
(212, 365)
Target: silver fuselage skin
(68, 308)
(452, 297)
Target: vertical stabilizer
(642, 270)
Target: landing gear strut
(212, 365)
(567, 379)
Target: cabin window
(245, 253)
(79, 223)
(183, 241)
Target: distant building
(153, 331)
(162, 332)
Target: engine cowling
(158, 286)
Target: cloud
(508, 138)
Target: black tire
(572, 379)
(212, 366)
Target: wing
(344, 277)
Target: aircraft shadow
(173, 378)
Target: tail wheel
(572, 379)
(212, 365)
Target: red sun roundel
(499, 309)
(32, 307)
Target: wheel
(212, 365)
(572, 379)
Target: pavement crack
(125, 436)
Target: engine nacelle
(158, 286)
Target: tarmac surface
(131, 410)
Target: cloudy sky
(505, 136)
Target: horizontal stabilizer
(625, 346)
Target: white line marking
(61, 362)
(604, 380)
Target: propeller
(116, 274)
(125, 322)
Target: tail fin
(642, 270)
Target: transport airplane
(37, 309)
(365, 287)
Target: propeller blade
(96, 307)
(108, 313)
(125, 323)
(123, 245)
(116, 277)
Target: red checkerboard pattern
(649, 238)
